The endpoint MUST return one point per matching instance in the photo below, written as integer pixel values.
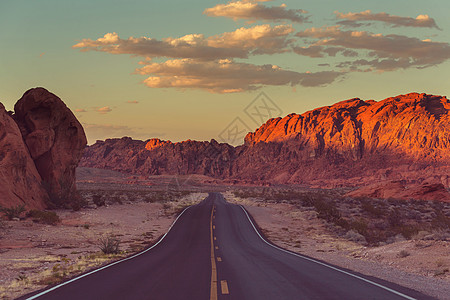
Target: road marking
(214, 226)
(215, 238)
(326, 265)
(110, 265)
(217, 247)
(224, 287)
(213, 294)
(219, 258)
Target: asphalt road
(214, 251)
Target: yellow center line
(213, 295)
(224, 286)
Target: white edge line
(326, 265)
(107, 266)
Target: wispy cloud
(386, 52)
(132, 102)
(354, 19)
(252, 10)
(80, 110)
(227, 76)
(103, 110)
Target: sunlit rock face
(350, 143)
(54, 137)
(407, 134)
(20, 182)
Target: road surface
(214, 251)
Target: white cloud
(227, 76)
(352, 19)
(252, 10)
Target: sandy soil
(34, 255)
(419, 264)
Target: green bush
(13, 212)
(44, 217)
(109, 244)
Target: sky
(202, 70)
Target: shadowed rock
(54, 137)
(20, 182)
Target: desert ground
(137, 211)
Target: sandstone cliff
(403, 137)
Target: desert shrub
(109, 244)
(13, 211)
(360, 226)
(371, 209)
(440, 220)
(66, 197)
(116, 199)
(403, 254)
(394, 218)
(98, 200)
(157, 197)
(44, 217)
(327, 210)
(408, 231)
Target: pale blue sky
(36, 50)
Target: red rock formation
(54, 137)
(155, 157)
(353, 140)
(350, 143)
(20, 182)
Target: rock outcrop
(54, 137)
(155, 157)
(40, 147)
(20, 182)
(350, 143)
(403, 137)
(399, 190)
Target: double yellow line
(213, 295)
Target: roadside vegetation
(368, 221)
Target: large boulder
(55, 140)
(20, 182)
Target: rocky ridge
(351, 143)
